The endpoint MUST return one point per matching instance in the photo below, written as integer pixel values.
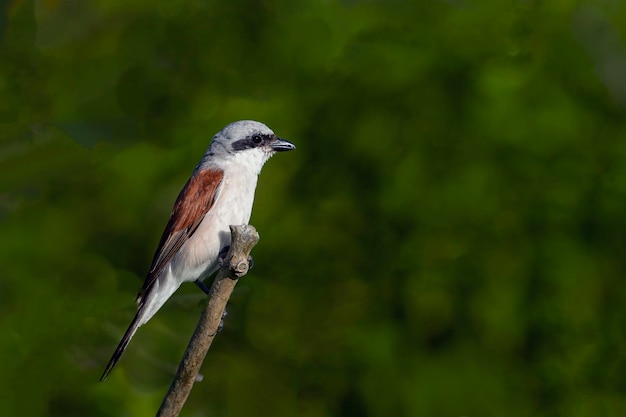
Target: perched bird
(219, 193)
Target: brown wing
(192, 204)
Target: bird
(219, 193)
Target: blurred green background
(447, 240)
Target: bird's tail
(150, 301)
(121, 347)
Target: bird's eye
(257, 139)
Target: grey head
(245, 142)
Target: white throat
(250, 161)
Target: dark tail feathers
(121, 347)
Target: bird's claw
(220, 326)
(221, 258)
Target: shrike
(219, 193)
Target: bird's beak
(282, 145)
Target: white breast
(233, 206)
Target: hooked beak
(282, 145)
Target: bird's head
(246, 143)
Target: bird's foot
(225, 263)
(220, 326)
(221, 258)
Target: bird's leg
(201, 285)
(221, 257)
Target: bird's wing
(192, 204)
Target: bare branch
(244, 238)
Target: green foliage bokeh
(447, 240)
